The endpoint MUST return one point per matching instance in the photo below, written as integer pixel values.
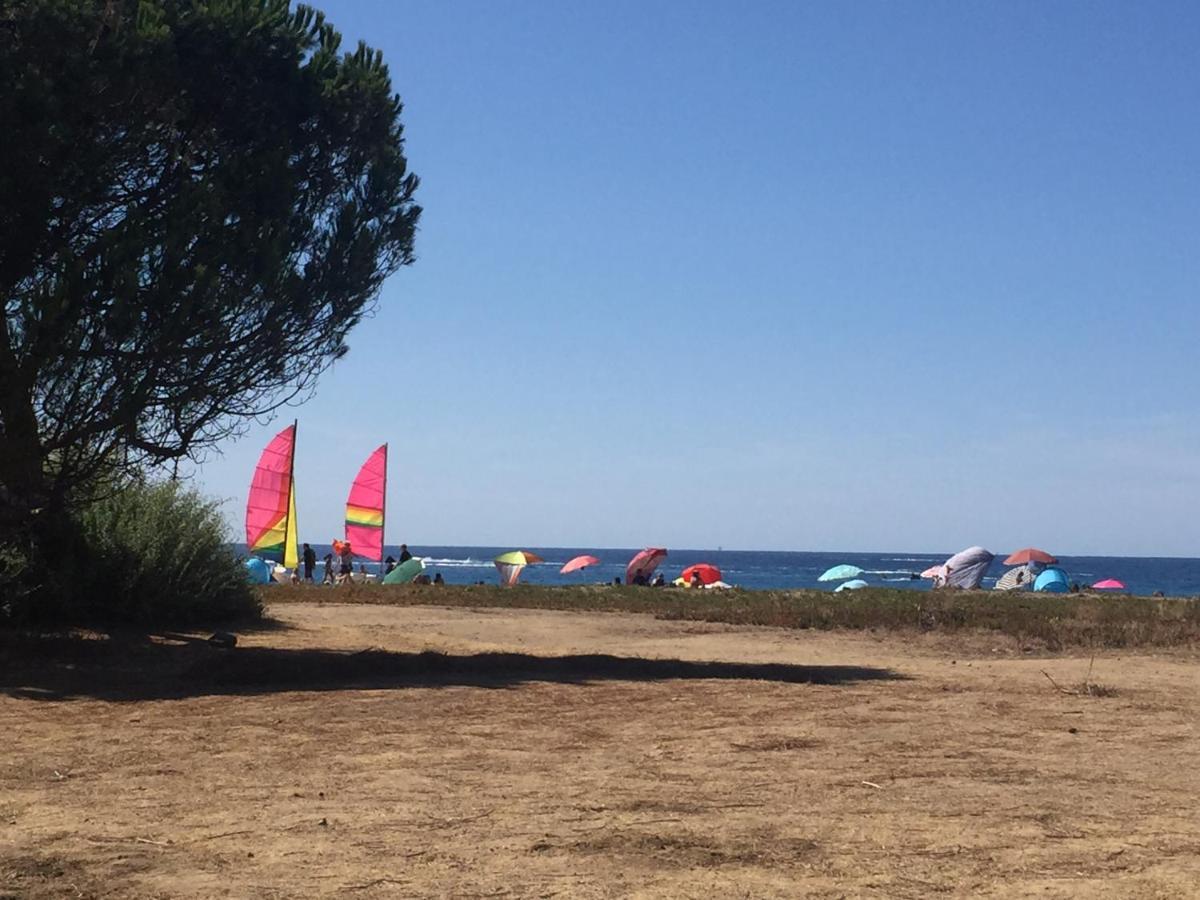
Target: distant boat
(271, 504)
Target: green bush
(158, 553)
(15, 578)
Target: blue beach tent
(1052, 581)
(258, 571)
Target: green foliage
(201, 198)
(16, 582)
(159, 554)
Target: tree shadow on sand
(175, 666)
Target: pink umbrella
(1109, 584)
(644, 564)
(579, 562)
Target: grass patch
(1052, 621)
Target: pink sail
(271, 504)
(366, 506)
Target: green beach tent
(405, 572)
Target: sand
(788, 763)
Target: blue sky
(868, 276)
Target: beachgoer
(696, 582)
(660, 581)
(437, 578)
(346, 567)
(310, 561)
(405, 556)
(295, 576)
(389, 564)
(328, 560)
(640, 579)
(421, 579)
(617, 580)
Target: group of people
(641, 579)
(339, 566)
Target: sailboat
(366, 507)
(271, 505)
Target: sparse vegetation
(1046, 621)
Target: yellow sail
(291, 558)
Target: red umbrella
(1109, 584)
(1028, 555)
(708, 573)
(579, 562)
(644, 564)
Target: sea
(758, 569)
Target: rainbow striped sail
(366, 505)
(271, 506)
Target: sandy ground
(786, 764)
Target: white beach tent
(966, 568)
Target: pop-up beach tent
(966, 568)
(1052, 581)
(853, 585)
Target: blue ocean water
(769, 569)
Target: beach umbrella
(405, 572)
(1020, 578)
(1109, 584)
(1052, 581)
(579, 562)
(850, 585)
(1029, 555)
(510, 564)
(838, 573)
(644, 563)
(709, 574)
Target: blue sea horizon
(783, 569)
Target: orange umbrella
(579, 562)
(1028, 555)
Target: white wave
(467, 563)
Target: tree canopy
(200, 199)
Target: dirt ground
(658, 759)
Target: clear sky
(858, 276)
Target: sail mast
(383, 506)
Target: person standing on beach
(328, 578)
(310, 562)
(347, 565)
(405, 556)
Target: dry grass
(374, 751)
(1044, 621)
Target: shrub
(158, 553)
